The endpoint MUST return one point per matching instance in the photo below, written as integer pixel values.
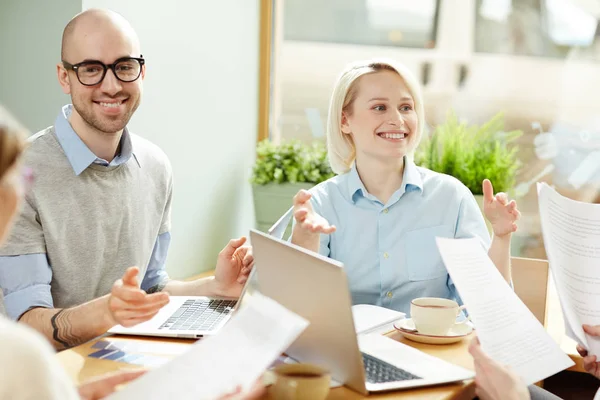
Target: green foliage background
(472, 153)
(291, 161)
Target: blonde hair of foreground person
(12, 144)
(340, 147)
(33, 371)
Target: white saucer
(407, 328)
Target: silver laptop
(187, 317)
(197, 316)
(316, 288)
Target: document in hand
(509, 333)
(236, 357)
(571, 232)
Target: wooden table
(81, 368)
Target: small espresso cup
(434, 315)
(300, 382)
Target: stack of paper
(374, 319)
(571, 231)
(213, 367)
(507, 330)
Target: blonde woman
(381, 214)
(31, 371)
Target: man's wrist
(109, 318)
(217, 289)
(210, 287)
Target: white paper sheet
(243, 349)
(571, 232)
(374, 319)
(509, 333)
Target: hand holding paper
(495, 382)
(571, 232)
(590, 362)
(508, 331)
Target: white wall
(200, 106)
(30, 35)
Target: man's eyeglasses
(91, 73)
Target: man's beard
(105, 124)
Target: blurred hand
(502, 214)
(129, 305)
(492, 380)
(590, 363)
(306, 219)
(105, 385)
(233, 268)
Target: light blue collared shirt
(80, 156)
(25, 279)
(389, 251)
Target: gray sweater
(95, 225)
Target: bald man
(88, 250)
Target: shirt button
(385, 210)
(386, 255)
(389, 294)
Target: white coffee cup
(434, 315)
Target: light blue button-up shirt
(25, 279)
(389, 250)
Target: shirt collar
(79, 155)
(355, 185)
(411, 181)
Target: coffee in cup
(299, 382)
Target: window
(403, 23)
(541, 28)
(533, 60)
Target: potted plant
(280, 171)
(472, 153)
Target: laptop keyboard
(199, 315)
(379, 371)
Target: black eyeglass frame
(75, 68)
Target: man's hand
(233, 268)
(306, 219)
(493, 381)
(590, 363)
(502, 214)
(105, 385)
(128, 305)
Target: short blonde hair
(12, 141)
(340, 146)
